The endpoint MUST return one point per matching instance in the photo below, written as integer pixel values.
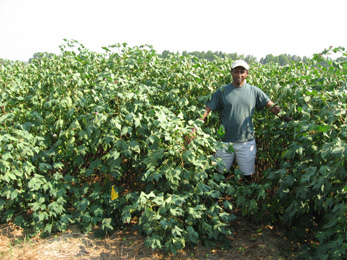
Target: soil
(251, 240)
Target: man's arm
(276, 110)
(207, 111)
(191, 137)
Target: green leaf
(309, 172)
(58, 165)
(193, 236)
(176, 212)
(322, 128)
(331, 223)
(44, 167)
(42, 216)
(154, 241)
(14, 195)
(106, 224)
(4, 166)
(48, 228)
(227, 205)
(9, 176)
(164, 223)
(195, 212)
(153, 158)
(203, 188)
(177, 231)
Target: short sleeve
(215, 101)
(262, 99)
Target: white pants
(245, 156)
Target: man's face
(239, 75)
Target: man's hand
(191, 136)
(287, 118)
(276, 110)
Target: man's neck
(239, 85)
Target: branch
(3, 109)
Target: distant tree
(200, 55)
(305, 59)
(165, 53)
(250, 59)
(220, 54)
(38, 55)
(3, 62)
(241, 57)
(296, 58)
(268, 59)
(210, 56)
(283, 59)
(233, 56)
(341, 59)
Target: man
(236, 103)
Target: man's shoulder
(254, 88)
(250, 85)
(227, 86)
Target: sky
(249, 27)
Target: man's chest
(239, 98)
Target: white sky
(255, 27)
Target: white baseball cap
(240, 63)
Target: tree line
(283, 59)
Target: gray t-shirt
(236, 107)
